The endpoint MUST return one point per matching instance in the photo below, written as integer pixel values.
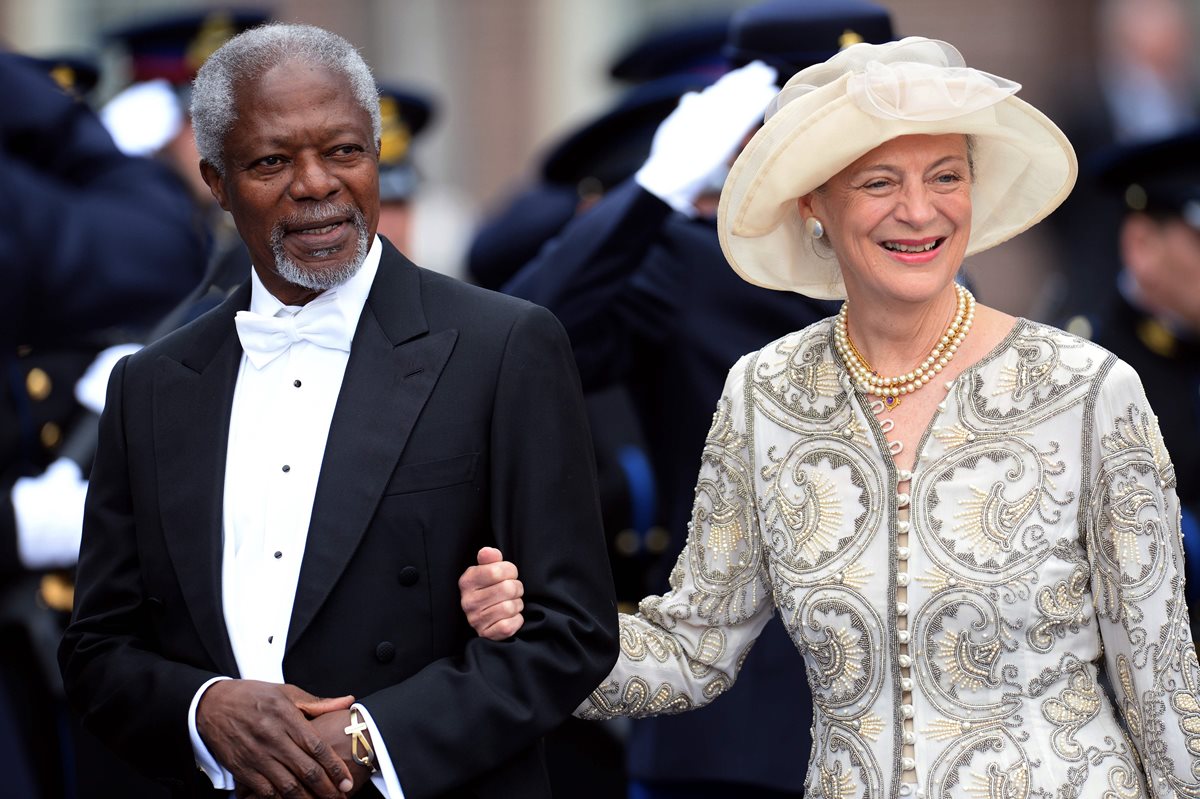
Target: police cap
(404, 113)
(793, 34)
(1159, 177)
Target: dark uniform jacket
(648, 298)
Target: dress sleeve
(1136, 552)
(684, 648)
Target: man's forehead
(289, 72)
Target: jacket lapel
(393, 367)
(192, 402)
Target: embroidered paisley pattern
(1042, 544)
(1078, 704)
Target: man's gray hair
(248, 56)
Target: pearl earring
(813, 227)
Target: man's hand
(261, 732)
(331, 727)
(491, 596)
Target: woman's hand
(491, 596)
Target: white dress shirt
(277, 432)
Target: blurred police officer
(648, 299)
(150, 118)
(1154, 321)
(95, 240)
(405, 113)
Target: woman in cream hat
(960, 516)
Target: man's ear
(215, 183)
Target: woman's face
(898, 218)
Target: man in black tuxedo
(284, 496)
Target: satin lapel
(192, 402)
(393, 368)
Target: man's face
(301, 179)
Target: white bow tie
(265, 338)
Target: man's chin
(318, 275)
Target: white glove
(703, 133)
(90, 390)
(143, 118)
(49, 514)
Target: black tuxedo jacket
(459, 424)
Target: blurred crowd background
(553, 103)
(511, 76)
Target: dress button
(278, 554)
(902, 578)
(902, 525)
(385, 652)
(902, 500)
(287, 468)
(970, 436)
(906, 790)
(952, 581)
(408, 576)
(907, 763)
(904, 660)
(903, 476)
(906, 684)
(910, 738)
(902, 553)
(296, 383)
(906, 711)
(901, 608)
(903, 636)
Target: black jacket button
(385, 652)
(408, 576)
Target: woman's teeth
(896, 246)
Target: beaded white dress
(952, 632)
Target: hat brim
(1024, 167)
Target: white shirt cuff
(221, 777)
(385, 779)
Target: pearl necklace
(891, 389)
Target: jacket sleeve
(606, 281)
(133, 698)
(1136, 553)
(684, 648)
(462, 716)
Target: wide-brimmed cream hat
(831, 114)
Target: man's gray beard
(320, 278)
